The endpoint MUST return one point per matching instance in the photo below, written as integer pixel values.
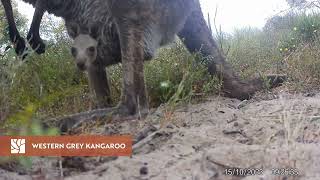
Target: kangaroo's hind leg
(134, 96)
(198, 38)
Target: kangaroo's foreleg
(33, 36)
(99, 84)
(16, 39)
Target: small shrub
(50, 81)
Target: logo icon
(18, 146)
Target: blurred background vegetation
(50, 85)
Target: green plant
(304, 29)
(253, 51)
(176, 75)
(24, 123)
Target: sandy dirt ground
(271, 137)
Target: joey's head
(84, 47)
(84, 51)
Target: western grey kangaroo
(144, 26)
(132, 30)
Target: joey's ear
(94, 31)
(73, 29)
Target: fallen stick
(73, 121)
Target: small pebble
(144, 171)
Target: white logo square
(18, 146)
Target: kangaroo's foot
(239, 89)
(123, 110)
(245, 89)
(36, 43)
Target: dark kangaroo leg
(99, 85)
(16, 39)
(33, 36)
(197, 38)
(134, 96)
